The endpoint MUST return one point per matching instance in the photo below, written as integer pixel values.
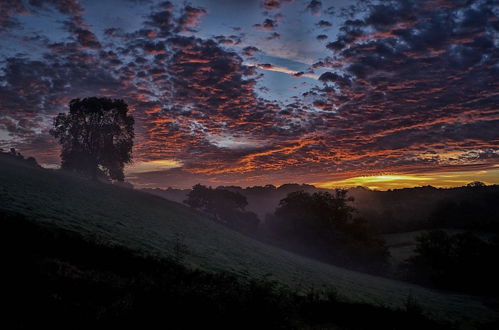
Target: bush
(460, 262)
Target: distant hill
(397, 210)
(148, 224)
(261, 199)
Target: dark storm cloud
(69, 7)
(274, 35)
(33, 92)
(269, 24)
(31, 89)
(402, 82)
(274, 4)
(191, 93)
(315, 7)
(250, 50)
(228, 40)
(83, 36)
(324, 24)
(10, 9)
(271, 4)
(190, 96)
(342, 81)
(162, 19)
(418, 73)
(190, 18)
(203, 72)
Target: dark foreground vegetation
(225, 206)
(56, 278)
(459, 262)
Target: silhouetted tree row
(471, 207)
(224, 205)
(476, 210)
(462, 262)
(397, 210)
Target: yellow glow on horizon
(154, 165)
(436, 179)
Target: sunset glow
(385, 94)
(394, 181)
(153, 166)
(250, 164)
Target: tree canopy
(321, 210)
(225, 205)
(326, 222)
(462, 261)
(212, 200)
(96, 137)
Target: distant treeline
(471, 207)
(343, 227)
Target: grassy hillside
(53, 277)
(154, 226)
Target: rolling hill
(153, 226)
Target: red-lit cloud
(405, 87)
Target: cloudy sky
(341, 92)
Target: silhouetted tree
(215, 201)
(96, 136)
(474, 208)
(326, 222)
(476, 184)
(461, 261)
(321, 210)
(225, 205)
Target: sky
(385, 94)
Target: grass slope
(152, 225)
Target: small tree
(215, 201)
(96, 137)
(326, 222)
(321, 211)
(224, 205)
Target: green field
(152, 225)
